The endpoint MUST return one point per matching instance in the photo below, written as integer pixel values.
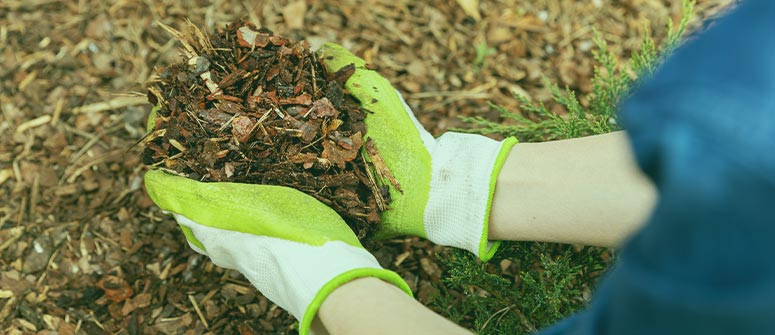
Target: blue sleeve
(703, 129)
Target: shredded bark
(248, 106)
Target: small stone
(38, 255)
(543, 15)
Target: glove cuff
(464, 171)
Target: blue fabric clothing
(703, 129)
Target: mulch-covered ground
(84, 250)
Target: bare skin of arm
(372, 306)
(586, 191)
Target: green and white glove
(447, 182)
(294, 249)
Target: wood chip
(112, 104)
(36, 122)
(379, 165)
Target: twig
(58, 110)
(116, 103)
(34, 193)
(15, 233)
(228, 122)
(177, 145)
(95, 320)
(314, 79)
(309, 111)
(89, 164)
(209, 295)
(503, 310)
(379, 165)
(311, 143)
(7, 308)
(36, 122)
(373, 185)
(258, 123)
(198, 311)
(93, 140)
(203, 41)
(187, 48)
(48, 265)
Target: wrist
(348, 282)
(387, 310)
(338, 312)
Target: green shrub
(552, 280)
(610, 83)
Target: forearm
(586, 191)
(372, 306)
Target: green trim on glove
(191, 238)
(267, 210)
(314, 306)
(397, 139)
(486, 253)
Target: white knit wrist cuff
(463, 173)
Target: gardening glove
(447, 183)
(294, 249)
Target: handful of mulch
(247, 106)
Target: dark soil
(247, 106)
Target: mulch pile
(82, 247)
(247, 106)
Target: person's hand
(294, 249)
(447, 184)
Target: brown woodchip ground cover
(84, 250)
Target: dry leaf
(229, 168)
(342, 151)
(328, 127)
(471, 8)
(323, 108)
(116, 288)
(247, 37)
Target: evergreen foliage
(610, 83)
(552, 280)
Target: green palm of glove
(396, 136)
(264, 210)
